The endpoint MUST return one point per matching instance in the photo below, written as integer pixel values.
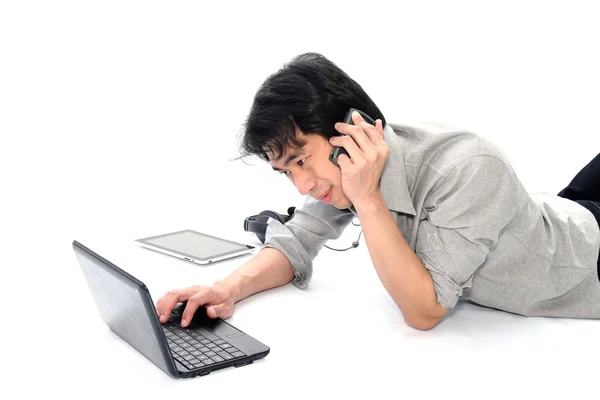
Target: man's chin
(342, 205)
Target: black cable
(354, 244)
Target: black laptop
(126, 307)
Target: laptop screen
(125, 306)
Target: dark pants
(585, 190)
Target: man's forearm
(266, 270)
(400, 270)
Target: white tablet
(194, 246)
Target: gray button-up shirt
(481, 236)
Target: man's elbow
(423, 324)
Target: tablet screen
(198, 245)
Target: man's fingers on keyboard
(195, 301)
(168, 302)
(188, 313)
(159, 307)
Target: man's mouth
(326, 198)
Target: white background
(119, 120)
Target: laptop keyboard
(196, 347)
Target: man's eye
(284, 172)
(301, 162)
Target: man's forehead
(279, 151)
(284, 157)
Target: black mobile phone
(336, 151)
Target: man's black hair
(309, 92)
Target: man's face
(311, 171)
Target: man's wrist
(370, 204)
(231, 285)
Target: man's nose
(305, 183)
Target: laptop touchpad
(222, 328)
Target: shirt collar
(393, 184)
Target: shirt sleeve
(467, 211)
(302, 237)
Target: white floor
(118, 120)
